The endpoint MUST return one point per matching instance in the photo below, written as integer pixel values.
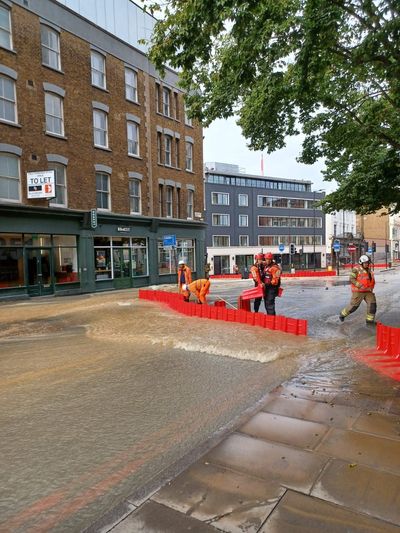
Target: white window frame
(47, 48)
(99, 113)
(59, 185)
(132, 131)
(98, 72)
(189, 156)
(6, 31)
(169, 201)
(4, 100)
(243, 221)
(213, 218)
(131, 85)
(9, 177)
(103, 191)
(221, 245)
(167, 150)
(135, 196)
(190, 204)
(166, 101)
(50, 99)
(217, 196)
(188, 121)
(241, 197)
(246, 237)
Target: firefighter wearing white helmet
(362, 282)
(184, 279)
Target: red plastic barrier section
(220, 312)
(226, 276)
(255, 292)
(386, 358)
(309, 274)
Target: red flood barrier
(219, 311)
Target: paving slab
(379, 452)
(291, 467)
(284, 429)
(230, 501)
(379, 424)
(325, 413)
(155, 518)
(291, 390)
(297, 513)
(361, 489)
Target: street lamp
(314, 220)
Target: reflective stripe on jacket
(272, 275)
(255, 272)
(361, 279)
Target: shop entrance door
(122, 268)
(39, 271)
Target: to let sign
(41, 184)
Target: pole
(337, 263)
(314, 231)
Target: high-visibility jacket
(272, 275)
(362, 279)
(255, 272)
(200, 289)
(184, 277)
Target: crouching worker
(184, 279)
(200, 288)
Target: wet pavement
(121, 415)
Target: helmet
(184, 287)
(364, 259)
(181, 262)
(268, 256)
(259, 256)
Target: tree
(327, 68)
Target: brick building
(98, 161)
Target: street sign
(351, 248)
(93, 218)
(336, 246)
(281, 247)
(169, 240)
(370, 250)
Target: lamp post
(314, 220)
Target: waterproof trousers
(271, 292)
(356, 299)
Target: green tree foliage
(327, 68)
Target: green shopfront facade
(47, 251)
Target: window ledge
(53, 68)
(8, 123)
(8, 49)
(102, 148)
(104, 89)
(133, 101)
(56, 135)
(135, 156)
(190, 171)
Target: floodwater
(103, 397)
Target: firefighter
(200, 288)
(184, 278)
(272, 282)
(362, 285)
(257, 274)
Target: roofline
(242, 175)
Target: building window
(61, 184)
(177, 156)
(54, 114)
(100, 128)
(243, 240)
(131, 80)
(220, 198)
(8, 105)
(160, 199)
(243, 200)
(169, 201)
(102, 191)
(135, 196)
(167, 150)
(98, 65)
(189, 205)
(188, 121)
(221, 240)
(176, 102)
(221, 220)
(9, 177)
(159, 148)
(243, 220)
(50, 41)
(166, 102)
(178, 202)
(133, 138)
(5, 27)
(158, 98)
(189, 156)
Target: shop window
(11, 267)
(65, 258)
(139, 257)
(168, 259)
(10, 181)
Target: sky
(224, 143)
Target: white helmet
(364, 259)
(181, 262)
(184, 287)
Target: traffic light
(373, 246)
(292, 249)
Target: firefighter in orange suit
(184, 279)
(272, 282)
(200, 288)
(257, 272)
(362, 282)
